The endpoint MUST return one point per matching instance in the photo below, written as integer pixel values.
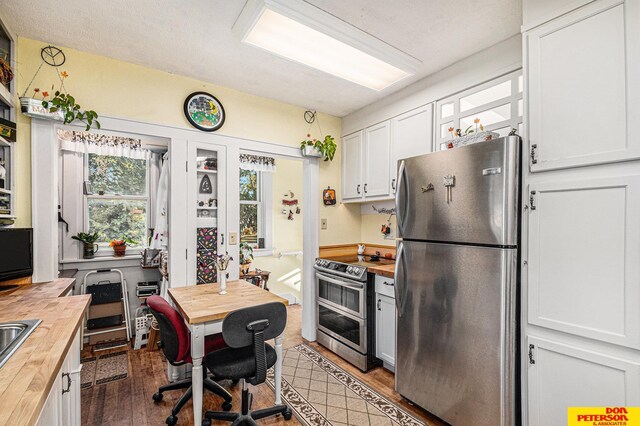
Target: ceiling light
(301, 32)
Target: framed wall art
(204, 111)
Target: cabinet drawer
(385, 286)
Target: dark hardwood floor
(128, 401)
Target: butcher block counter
(28, 375)
(384, 270)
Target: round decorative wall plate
(204, 111)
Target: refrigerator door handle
(399, 278)
(401, 199)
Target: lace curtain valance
(257, 163)
(94, 143)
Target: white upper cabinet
(411, 135)
(352, 167)
(583, 97)
(583, 272)
(377, 142)
(536, 12)
(562, 376)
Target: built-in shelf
(207, 208)
(5, 191)
(5, 96)
(206, 171)
(6, 216)
(206, 222)
(4, 142)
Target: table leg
(197, 353)
(278, 369)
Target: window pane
(118, 218)
(248, 185)
(487, 118)
(444, 130)
(117, 175)
(485, 96)
(446, 110)
(249, 223)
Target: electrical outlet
(323, 223)
(233, 238)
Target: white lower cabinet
(62, 406)
(385, 321)
(562, 376)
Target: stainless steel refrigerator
(457, 281)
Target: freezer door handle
(401, 199)
(399, 275)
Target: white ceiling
(194, 38)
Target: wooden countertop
(27, 377)
(203, 303)
(385, 270)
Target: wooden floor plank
(128, 401)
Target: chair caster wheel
(287, 414)
(157, 397)
(206, 422)
(171, 420)
(226, 406)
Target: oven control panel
(351, 271)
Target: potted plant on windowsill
(246, 257)
(325, 148)
(88, 241)
(120, 246)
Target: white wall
(483, 66)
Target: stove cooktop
(354, 267)
(360, 260)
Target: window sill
(103, 259)
(265, 252)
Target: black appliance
(16, 253)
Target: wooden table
(203, 309)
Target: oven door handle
(343, 282)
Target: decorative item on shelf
(222, 262)
(210, 163)
(120, 246)
(204, 111)
(205, 185)
(61, 106)
(3, 175)
(89, 246)
(472, 134)
(246, 257)
(6, 73)
(8, 130)
(329, 196)
(213, 202)
(325, 148)
(361, 249)
(150, 258)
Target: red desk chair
(175, 341)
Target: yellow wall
(286, 271)
(370, 229)
(120, 89)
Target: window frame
(514, 100)
(104, 246)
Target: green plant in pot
(120, 246)
(325, 148)
(89, 247)
(246, 257)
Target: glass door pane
(207, 188)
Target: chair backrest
(174, 334)
(252, 327)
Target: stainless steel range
(346, 316)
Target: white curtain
(257, 163)
(160, 239)
(95, 143)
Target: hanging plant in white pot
(325, 148)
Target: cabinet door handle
(379, 301)
(531, 360)
(68, 389)
(222, 239)
(358, 189)
(387, 283)
(365, 188)
(393, 184)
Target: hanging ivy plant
(72, 111)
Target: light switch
(233, 238)
(323, 223)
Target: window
(250, 207)
(497, 103)
(118, 206)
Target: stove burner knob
(349, 269)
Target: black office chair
(247, 357)
(175, 341)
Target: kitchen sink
(12, 335)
